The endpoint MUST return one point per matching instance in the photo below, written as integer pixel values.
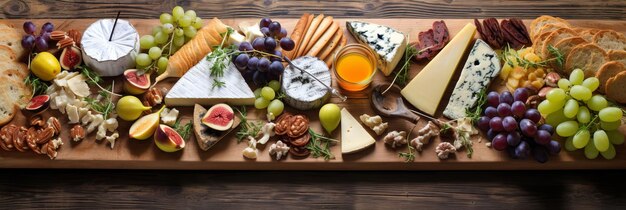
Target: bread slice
(588, 57)
(324, 39)
(608, 71)
(14, 90)
(321, 30)
(309, 34)
(7, 111)
(618, 55)
(610, 40)
(538, 44)
(616, 88)
(538, 23)
(565, 46)
(297, 34)
(554, 38)
(11, 37)
(548, 28)
(588, 33)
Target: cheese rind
(481, 67)
(110, 58)
(196, 87)
(354, 137)
(301, 90)
(387, 42)
(425, 91)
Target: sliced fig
(219, 117)
(71, 57)
(167, 139)
(38, 103)
(137, 82)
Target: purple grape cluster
(40, 42)
(261, 60)
(512, 126)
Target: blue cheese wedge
(481, 67)
(301, 90)
(387, 42)
(196, 87)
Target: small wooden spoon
(387, 106)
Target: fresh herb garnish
(247, 128)
(402, 76)
(95, 79)
(217, 83)
(475, 112)
(408, 156)
(39, 86)
(103, 106)
(183, 130)
(320, 145)
(511, 57)
(220, 57)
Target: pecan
(153, 97)
(67, 42)
(282, 124)
(77, 133)
(37, 121)
(58, 35)
(76, 35)
(299, 126)
(45, 135)
(52, 147)
(6, 136)
(31, 139)
(300, 141)
(552, 79)
(55, 124)
(19, 139)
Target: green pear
(330, 116)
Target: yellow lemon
(45, 66)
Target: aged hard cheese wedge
(110, 58)
(481, 67)
(196, 87)
(354, 137)
(427, 88)
(387, 42)
(301, 90)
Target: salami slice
(426, 41)
(441, 34)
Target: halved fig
(71, 57)
(219, 117)
(136, 81)
(38, 103)
(167, 139)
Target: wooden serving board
(226, 154)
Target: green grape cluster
(175, 30)
(266, 98)
(586, 120)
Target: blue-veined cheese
(481, 67)
(301, 90)
(387, 42)
(196, 87)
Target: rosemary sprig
(95, 79)
(320, 146)
(217, 83)
(220, 56)
(39, 86)
(402, 76)
(247, 128)
(105, 105)
(183, 130)
(511, 57)
(475, 112)
(408, 156)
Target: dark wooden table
(328, 190)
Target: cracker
(618, 55)
(610, 40)
(297, 34)
(608, 71)
(326, 52)
(616, 88)
(588, 57)
(538, 44)
(309, 34)
(321, 30)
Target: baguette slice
(309, 34)
(298, 34)
(321, 30)
(7, 111)
(323, 41)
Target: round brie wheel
(301, 90)
(110, 58)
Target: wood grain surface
(226, 154)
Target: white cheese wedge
(196, 87)
(301, 90)
(426, 89)
(354, 137)
(481, 67)
(387, 42)
(110, 58)
(250, 30)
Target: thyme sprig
(183, 130)
(511, 57)
(408, 156)
(104, 105)
(247, 128)
(319, 146)
(39, 86)
(475, 112)
(95, 79)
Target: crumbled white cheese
(268, 131)
(168, 116)
(110, 124)
(102, 132)
(97, 120)
(72, 114)
(111, 139)
(279, 150)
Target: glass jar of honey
(355, 66)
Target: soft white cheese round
(110, 58)
(302, 91)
